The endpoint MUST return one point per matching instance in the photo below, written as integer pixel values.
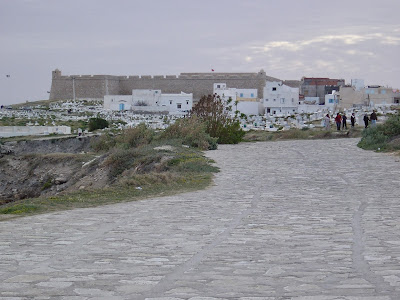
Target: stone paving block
(303, 220)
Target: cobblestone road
(285, 220)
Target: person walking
(366, 119)
(327, 121)
(338, 120)
(353, 120)
(373, 118)
(344, 121)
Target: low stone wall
(53, 145)
(9, 131)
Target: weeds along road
(285, 220)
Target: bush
(373, 138)
(97, 123)
(102, 143)
(192, 132)
(137, 136)
(380, 136)
(219, 124)
(231, 133)
(120, 160)
(391, 127)
(192, 163)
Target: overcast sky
(287, 38)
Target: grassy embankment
(383, 137)
(141, 164)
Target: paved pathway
(285, 220)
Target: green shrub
(47, 184)
(97, 123)
(120, 160)
(137, 136)
(391, 127)
(381, 136)
(191, 162)
(133, 159)
(231, 133)
(192, 132)
(219, 124)
(102, 143)
(373, 138)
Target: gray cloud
(287, 38)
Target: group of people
(373, 118)
(341, 120)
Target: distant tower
(358, 84)
(56, 73)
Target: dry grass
(300, 134)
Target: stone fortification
(96, 86)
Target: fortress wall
(113, 86)
(199, 84)
(86, 86)
(61, 88)
(89, 88)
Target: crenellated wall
(96, 86)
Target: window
(274, 100)
(170, 101)
(383, 91)
(252, 95)
(241, 94)
(218, 86)
(282, 100)
(292, 100)
(187, 102)
(178, 105)
(274, 88)
(266, 100)
(330, 100)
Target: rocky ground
(48, 166)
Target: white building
(280, 99)
(244, 100)
(150, 101)
(332, 100)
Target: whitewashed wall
(113, 102)
(9, 131)
(153, 101)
